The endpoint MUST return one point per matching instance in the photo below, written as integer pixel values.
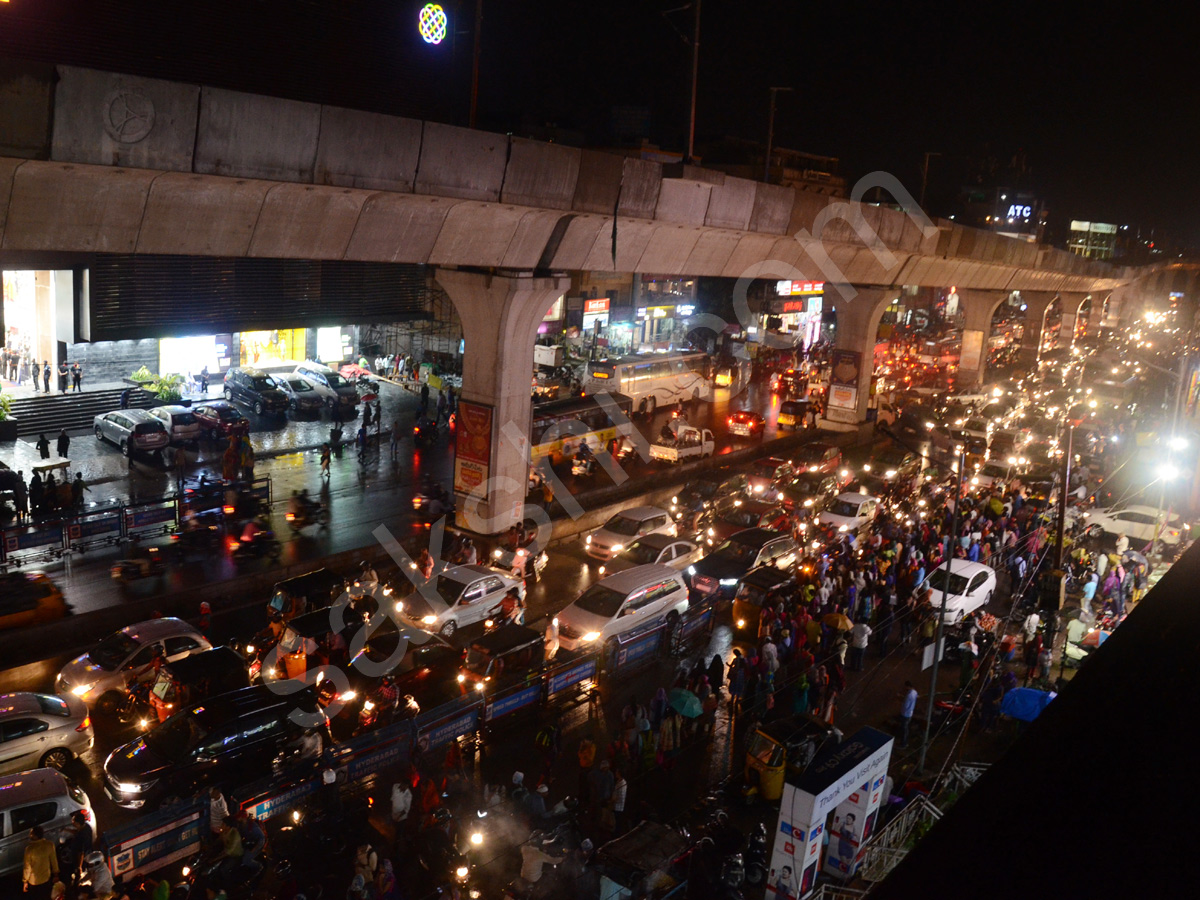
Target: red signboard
(472, 446)
(599, 305)
(799, 288)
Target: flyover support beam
(859, 310)
(978, 308)
(1070, 304)
(500, 317)
(1036, 304)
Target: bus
(560, 426)
(652, 380)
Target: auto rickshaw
(501, 658)
(759, 587)
(194, 678)
(295, 596)
(792, 414)
(780, 748)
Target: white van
(43, 797)
(332, 388)
(622, 603)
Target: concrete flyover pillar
(978, 308)
(1070, 304)
(1036, 304)
(859, 310)
(500, 317)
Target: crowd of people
(20, 367)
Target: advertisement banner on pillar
(472, 446)
(843, 397)
(845, 366)
(972, 350)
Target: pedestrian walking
(908, 705)
(366, 418)
(362, 443)
(204, 381)
(43, 446)
(64, 444)
(40, 869)
(78, 846)
(860, 634)
(77, 377)
(395, 442)
(78, 486)
(326, 454)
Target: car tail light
(229, 510)
(85, 724)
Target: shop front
(276, 350)
(793, 315)
(39, 313)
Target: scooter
(311, 513)
(756, 855)
(135, 706)
(262, 544)
(425, 433)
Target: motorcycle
(199, 540)
(439, 856)
(310, 513)
(135, 706)
(152, 565)
(425, 433)
(376, 712)
(756, 855)
(521, 560)
(261, 544)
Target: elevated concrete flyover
(123, 164)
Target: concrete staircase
(47, 414)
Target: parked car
(654, 549)
(849, 512)
(180, 423)
(718, 573)
(29, 598)
(620, 604)
(100, 676)
(457, 597)
(42, 797)
(256, 389)
(38, 730)
(612, 537)
(1135, 522)
(768, 474)
(131, 429)
(746, 423)
(333, 389)
(969, 586)
(220, 419)
(302, 396)
(213, 744)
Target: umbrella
(838, 621)
(685, 703)
(1134, 556)
(1094, 638)
(1025, 704)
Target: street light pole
(475, 64)
(938, 636)
(925, 176)
(771, 132)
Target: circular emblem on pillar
(128, 116)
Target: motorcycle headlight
(461, 873)
(368, 706)
(728, 582)
(496, 554)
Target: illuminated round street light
(1179, 443)
(431, 23)
(1168, 472)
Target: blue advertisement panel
(144, 516)
(502, 706)
(99, 525)
(437, 734)
(698, 621)
(560, 681)
(273, 804)
(638, 648)
(157, 840)
(378, 755)
(47, 535)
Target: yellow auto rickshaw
(792, 414)
(780, 748)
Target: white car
(620, 604)
(1135, 522)
(332, 388)
(970, 587)
(180, 422)
(620, 531)
(849, 512)
(100, 676)
(40, 730)
(457, 597)
(991, 473)
(661, 549)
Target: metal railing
(837, 892)
(890, 844)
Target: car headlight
(890, 473)
(588, 539)
(741, 623)
(808, 503)
(129, 787)
(81, 690)
(497, 553)
(758, 488)
(812, 468)
(429, 620)
(674, 500)
(617, 548)
(591, 636)
(461, 677)
(728, 582)
(399, 606)
(691, 570)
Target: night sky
(1099, 98)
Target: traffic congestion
(509, 716)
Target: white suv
(622, 529)
(333, 389)
(619, 604)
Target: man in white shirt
(859, 635)
(1122, 545)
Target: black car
(703, 494)
(717, 574)
(224, 741)
(809, 492)
(256, 389)
(894, 463)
